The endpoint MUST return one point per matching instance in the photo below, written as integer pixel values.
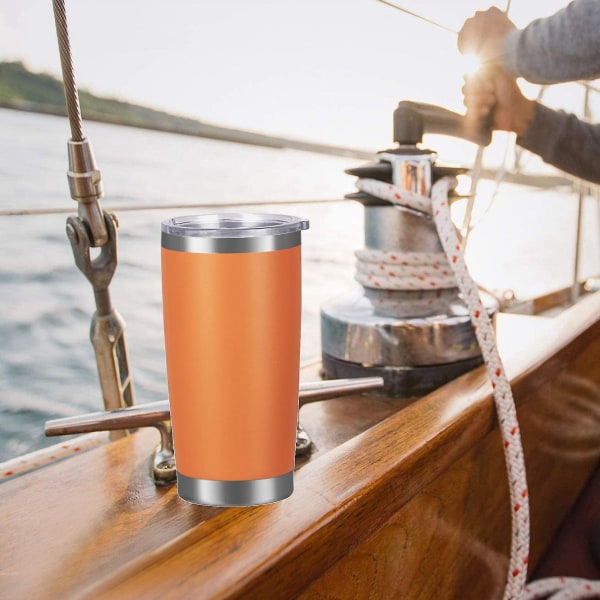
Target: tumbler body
(232, 306)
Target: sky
(330, 71)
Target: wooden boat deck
(401, 499)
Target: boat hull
(403, 498)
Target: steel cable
(32, 212)
(64, 47)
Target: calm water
(47, 368)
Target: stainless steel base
(235, 493)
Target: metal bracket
(108, 327)
(158, 415)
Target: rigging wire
(498, 180)
(23, 212)
(431, 21)
(71, 95)
(418, 16)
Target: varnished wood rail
(401, 500)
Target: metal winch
(416, 340)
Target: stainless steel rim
(235, 493)
(232, 245)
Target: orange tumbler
(231, 302)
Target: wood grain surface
(401, 499)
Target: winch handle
(413, 119)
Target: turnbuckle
(158, 415)
(107, 327)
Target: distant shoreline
(20, 89)
(214, 132)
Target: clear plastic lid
(233, 225)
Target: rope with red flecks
(387, 270)
(401, 270)
(50, 454)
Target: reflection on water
(47, 366)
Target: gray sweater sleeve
(563, 47)
(564, 141)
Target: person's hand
(492, 91)
(484, 33)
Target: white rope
(44, 456)
(395, 195)
(403, 270)
(563, 588)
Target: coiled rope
(379, 269)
